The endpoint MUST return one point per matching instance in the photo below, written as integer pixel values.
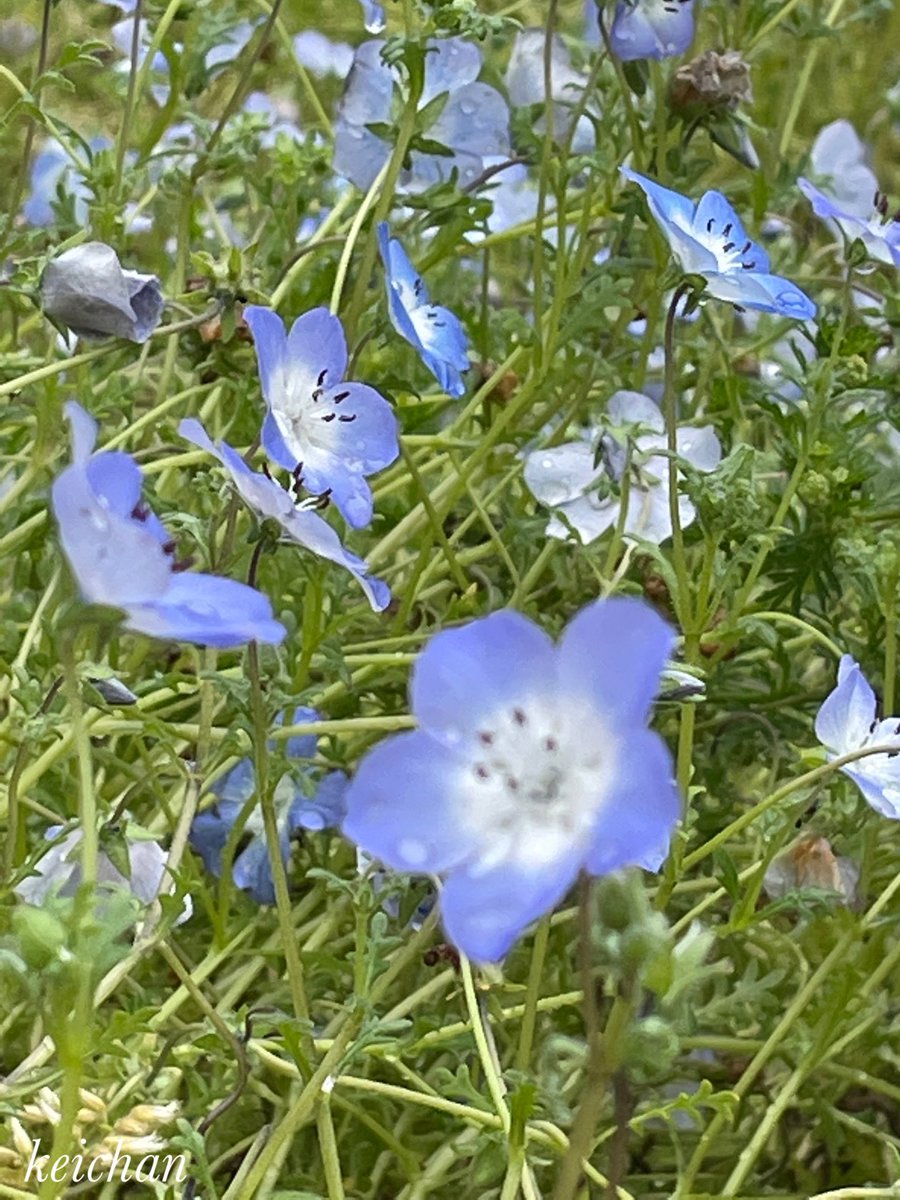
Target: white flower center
(309, 421)
(730, 255)
(538, 774)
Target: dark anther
(320, 382)
(297, 473)
(748, 266)
(726, 230)
(417, 287)
(324, 500)
(183, 564)
(519, 716)
(140, 512)
(746, 247)
(876, 199)
(481, 771)
(710, 225)
(169, 547)
(873, 726)
(512, 784)
(487, 739)
(728, 246)
(439, 324)
(348, 417)
(551, 743)
(328, 416)
(266, 471)
(340, 397)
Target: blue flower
(879, 232)
(848, 721)
(53, 171)
(294, 809)
(58, 871)
(532, 762)
(322, 56)
(122, 556)
(651, 28)
(525, 85)
(472, 123)
(303, 526)
(334, 433)
(435, 333)
(709, 240)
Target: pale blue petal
(208, 610)
(848, 713)
(402, 805)
(324, 810)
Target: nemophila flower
(87, 290)
(471, 123)
(58, 872)
(434, 332)
(532, 762)
(525, 85)
(296, 807)
(53, 173)
(651, 28)
(585, 481)
(848, 721)
(303, 526)
(327, 431)
(849, 199)
(121, 555)
(321, 55)
(708, 239)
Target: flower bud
(86, 289)
(711, 81)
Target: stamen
(169, 547)
(749, 266)
(140, 512)
(512, 784)
(519, 716)
(486, 738)
(320, 382)
(726, 230)
(348, 417)
(728, 246)
(551, 743)
(328, 416)
(481, 771)
(746, 247)
(341, 396)
(183, 564)
(710, 224)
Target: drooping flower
(434, 332)
(58, 872)
(86, 289)
(296, 807)
(848, 721)
(532, 762)
(651, 28)
(525, 85)
(472, 123)
(849, 199)
(373, 16)
(331, 432)
(122, 556)
(302, 525)
(584, 480)
(708, 239)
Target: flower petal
(208, 610)
(317, 342)
(613, 652)
(464, 675)
(561, 473)
(766, 293)
(270, 342)
(402, 805)
(642, 808)
(846, 716)
(483, 912)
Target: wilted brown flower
(711, 81)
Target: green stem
(125, 127)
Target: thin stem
(125, 129)
(359, 219)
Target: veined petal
(209, 610)
(317, 342)
(766, 293)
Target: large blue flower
(532, 762)
(472, 123)
(334, 433)
(303, 526)
(297, 806)
(848, 721)
(122, 556)
(708, 239)
(651, 28)
(435, 332)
